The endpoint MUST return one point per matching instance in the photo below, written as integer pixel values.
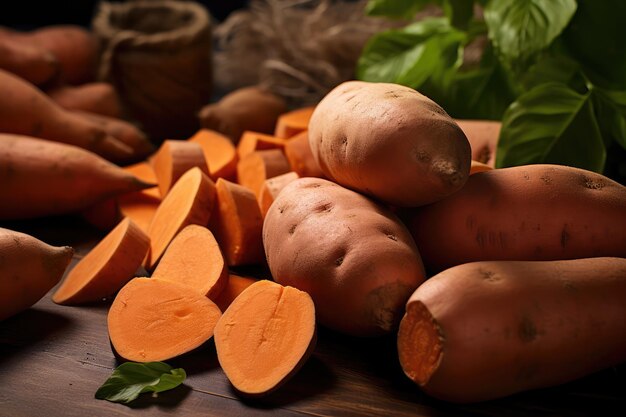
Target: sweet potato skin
(533, 212)
(352, 255)
(390, 142)
(483, 136)
(508, 326)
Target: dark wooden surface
(53, 359)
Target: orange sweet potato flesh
(106, 268)
(30, 112)
(29, 268)
(155, 320)
(525, 213)
(483, 136)
(248, 108)
(477, 167)
(46, 178)
(219, 152)
(291, 123)
(300, 157)
(258, 166)
(194, 259)
(190, 201)
(173, 159)
(255, 141)
(100, 98)
(103, 215)
(271, 188)
(34, 64)
(485, 330)
(237, 224)
(236, 284)
(141, 206)
(265, 336)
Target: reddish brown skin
(483, 136)
(507, 327)
(100, 98)
(352, 255)
(533, 212)
(34, 64)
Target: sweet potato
(525, 213)
(194, 259)
(255, 141)
(483, 137)
(190, 201)
(390, 142)
(141, 206)
(103, 215)
(264, 337)
(219, 152)
(236, 284)
(237, 224)
(75, 48)
(30, 112)
(155, 320)
(477, 167)
(258, 166)
(29, 268)
(144, 171)
(271, 188)
(291, 123)
(100, 98)
(106, 268)
(248, 108)
(300, 157)
(173, 159)
(353, 256)
(485, 330)
(46, 178)
(35, 65)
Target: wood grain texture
(53, 359)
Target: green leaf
(551, 124)
(398, 9)
(611, 109)
(595, 37)
(521, 28)
(459, 12)
(551, 68)
(411, 55)
(131, 379)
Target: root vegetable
(483, 137)
(173, 159)
(155, 320)
(300, 157)
(29, 268)
(106, 268)
(477, 167)
(45, 178)
(100, 98)
(389, 142)
(264, 337)
(291, 123)
(485, 330)
(236, 285)
(271, 188)
(194, 259)
(255, 141)
(258, 166)
(352, 255)
(34, 64)
(219, 152)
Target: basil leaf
(459, 12)
(399, 9)
(611, 110)
(411, 55)
(595, 38)
(519, 29)
(131, 379)
(551, 124)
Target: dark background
(29, 14)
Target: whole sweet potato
(483, 137)
(533, 212)
(390, 142)
(352, 255)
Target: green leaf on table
(399, 9)
(595, 38)
(519, 29)
(551, 124)
(459, 12)
(411, 55)
(131, 379)
(611, 110)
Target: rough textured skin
(390, 142)
(533, 212)
(352, 255)
(509, 326)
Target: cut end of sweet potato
(477, 167)
(155, 320)
(219, 153)
(173, 159)
(420, 343)
(265, 336)
(236, 285)
(194, 259)
(109, 265)
(291, 123)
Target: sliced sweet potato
(300, 157)
(291, 123)
(272, 187)
(236, 284)
(256, 167)
(255, 141)
(219, 152)
(173, 159)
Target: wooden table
(53, 359)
